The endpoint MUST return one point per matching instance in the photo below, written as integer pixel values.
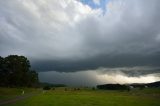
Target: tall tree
(2, 72)
(15, 71)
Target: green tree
(15, 71)
(2, 72)
(33, 78)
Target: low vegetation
(9, 93)
(90, 97)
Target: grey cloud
(135, 71)
(68, 36)
(122, 60)
(86, 78)
(93, 78)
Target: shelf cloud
(71, 36)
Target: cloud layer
(67, 35)
(93, 78)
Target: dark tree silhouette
(113, 87)
(15, 71)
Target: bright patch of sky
(95, 4)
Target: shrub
(46, 88)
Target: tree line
(113, 87)
(129, 86)
(15, 71)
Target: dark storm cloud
(68, 36)
(100, 61)
(93, 78)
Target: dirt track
(13, 100)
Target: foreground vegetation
(9, 93)
(89, 97)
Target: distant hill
(154, 84)
(128, 86)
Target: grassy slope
(147, 97)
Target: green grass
(8, 93)
(59, 97)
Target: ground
(83, 97)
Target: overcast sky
(66, 37)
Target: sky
(84, 42)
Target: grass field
(7, 93)
(88, 97)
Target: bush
(93, 88)
(46, 88)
